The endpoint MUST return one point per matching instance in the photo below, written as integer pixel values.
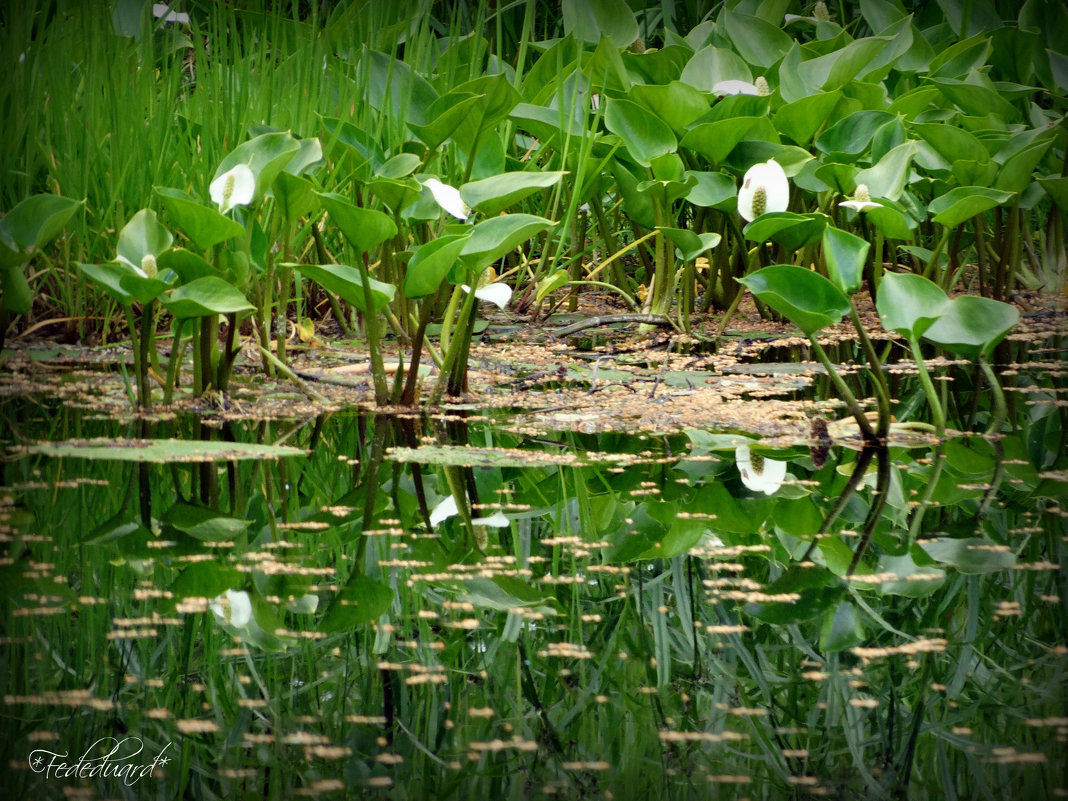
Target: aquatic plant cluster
(371, 163)
(866, 598)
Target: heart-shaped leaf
(845, 254)
(909, 304)
(964, 202)
(492, 195)
(807, 299)
(347, 283)
(430, 264)
(204, 296)
(204, 225)
(972, 325)
(364, 228)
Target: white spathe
(767, 479)
(497, 294)
(233, 607)
(768, 180)
(235, 187)
(448, 197)
(447, 508)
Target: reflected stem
(882, 486)
(993, 433)
(882, 394)
(843, 391)
(928, 388)
(859, 469)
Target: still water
(464, 606)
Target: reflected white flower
(233, 188)
(448, 197)
(861, 200)
(233, 607)
(447, 508)
(759, 475)
(764, 189)
(444, 510)
(497, 294)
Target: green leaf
(430, 264)
(977, 100)
(17, 297)
(493, 238)
(892, 221)
(801, 119)
(144, 235)
(888, 177)
(838, 68)
(347, 283)
(678, 104)
(964, 202)
(204, 225)
(1018, 171)
(792, 231)
(447, 113)
(1057, 188)
(715, 190)
(295, 195)
(845, 254)
(690, 245)
(361, 601)
(715, 140)
(810, 590)
(266, 155)
(589, 20)
(952, 143)
(32, 224)
(204, 296)
(492, 195)
(107, 276)
(972, 555)
(398, 194)
(757, 41)
(842, 629)
(807, 299)
(550, 283)
(909, 304)
(712, 65)
(852, 135)
(497, 97)
(972, 326)
(162, 451)
(188, 266)
(363, 228)
(643, 134)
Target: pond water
(467, 605)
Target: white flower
(448, 197)
(861, 200)
(233, 188)
(233, 607)
(497, 294)
(764, 189)
(765, 475)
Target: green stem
(932, 263)
(174, 363)
(882, 390)
(456, 345)
(370, 324)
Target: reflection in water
(437, 608)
